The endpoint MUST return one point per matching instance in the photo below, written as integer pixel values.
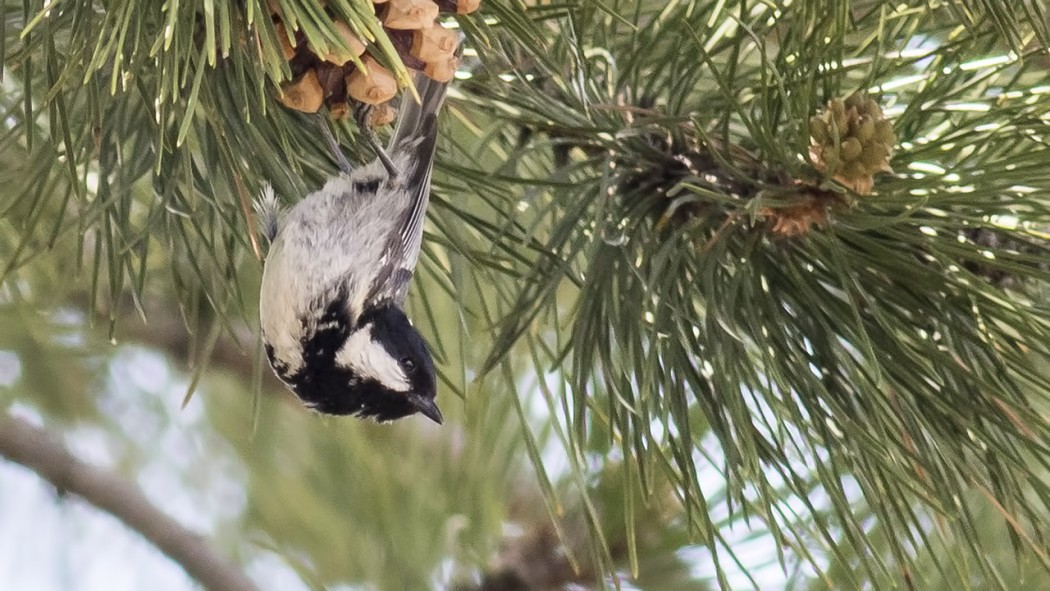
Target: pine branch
(890, 343)
(35, 449)
(897, 345)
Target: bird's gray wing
(412, 149)
(402, 251)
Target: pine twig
(37, 450)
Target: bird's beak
(427, 407)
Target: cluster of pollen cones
(335, 76)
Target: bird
(337, 273)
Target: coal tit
(337, 273)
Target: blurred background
(680, 346)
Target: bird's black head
(393, 338)
(380, 369)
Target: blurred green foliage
(648, 380)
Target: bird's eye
(408, 364)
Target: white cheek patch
(369, 359)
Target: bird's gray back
(328, 246)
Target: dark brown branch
(35, 449)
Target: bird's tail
(268, 212)
(415, 133)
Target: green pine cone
(851, 140)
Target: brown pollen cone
(373, 85)
(410, 14)
(304, 93)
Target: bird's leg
(333, 146)
(361, 116)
